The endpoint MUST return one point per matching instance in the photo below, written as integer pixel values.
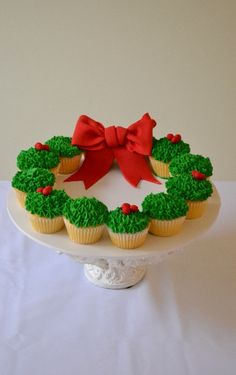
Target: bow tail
(94, 167)
(134, 167)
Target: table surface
(181, 319)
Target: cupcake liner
(46, 225)
(21, 197)
(166, 228)
(69, 165)
(56, 169)
(159, 167)
(128, 240)
(84, 235)
(196, 209)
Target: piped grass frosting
(30, 179)
(85, 212)
(186, 186)
(162, 206)
(48, 206)
(62, 145)
(186, 163)
(33, 158)
(134, 222)
(164, 150)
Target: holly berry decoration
(127, 208)
(174, 138)
(39, 146)
(198, 175)
(45, 190)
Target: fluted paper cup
(196, 209)
(128, 240)
(69, 165)
(165, 228)
(46, 225)
(21, 197)
(159, 167)
(84, 235)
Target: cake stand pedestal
(114, 275)
(105, 265)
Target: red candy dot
(176, 138)
(198, 175)
(134, 208)
(170, 136)
(46, 147)
(125, 208)
(40, 190)
(38, 146)
(47, 190)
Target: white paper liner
(159, 167)
(46, 225)
(84, 235)
(166, 228)
(69, 165)
(128, 240)
(196, 209)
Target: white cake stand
(106, 265)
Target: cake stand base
(111, 277)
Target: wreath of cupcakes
(86, 219)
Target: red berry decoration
(38, 146)
(170, 136)
(176, 138)
(134, 208)
(47, 190)
(198, 175)
(125, 208)
(46, 147)
(40, 190)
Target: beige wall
(115, 60)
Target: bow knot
(115, 136)
(102, 145)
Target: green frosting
(189, 162)
(132, 223)
(48, 206)
(164, 150)
(85, 212)
(162, 206)
(31, 179)
(33, 158)
(189, 188)
(62, 145)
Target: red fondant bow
(128, 146)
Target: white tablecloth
(181, 319)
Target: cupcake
(194, 188)
(69, 155)
(85, 219)
(39, 156)
(164, 150)
(186, 163)
(167, 213)
(29, 180)
(127, 226)
(45, 207)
